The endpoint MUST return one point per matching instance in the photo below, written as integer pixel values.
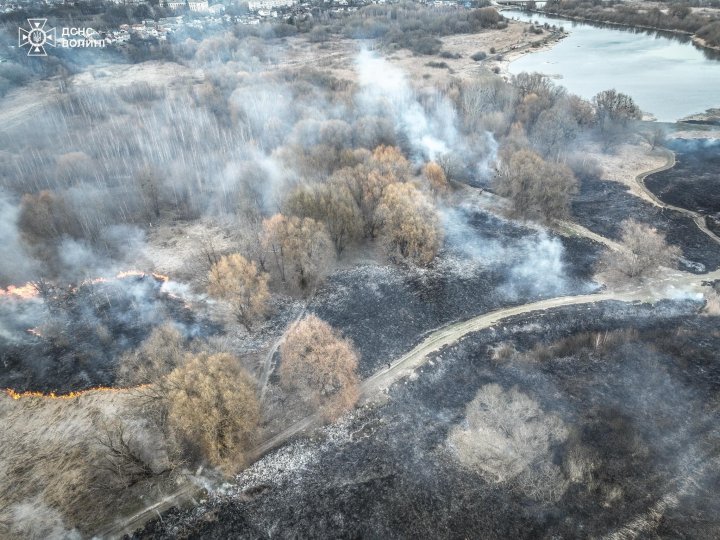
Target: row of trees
(677, 17)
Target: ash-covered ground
(640, 419)
(487, 263)
(693, 182)
(602, 206)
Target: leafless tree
(644, 253)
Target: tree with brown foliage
(366, 182)
(435, 176)
(45, 217)
(331, 203)
(410, 225)
(239, 282)
(300, 248)
(644, 252)
(213, 406)
(389, 161)
(321, 366)
(538, 190)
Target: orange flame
(29, 290)
(26, 291)
(70, 395)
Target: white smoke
(385, 89)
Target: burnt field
(693, 182)
(602, 206)
(63, 339)
(487, 263)
(636, 388)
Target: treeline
(677, 17)
(415, 27)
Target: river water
(666, 75)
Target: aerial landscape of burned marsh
(341, 269)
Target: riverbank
(696, 40)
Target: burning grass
(59, 340)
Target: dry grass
(712, 303)
(625, 163)
(53, 463)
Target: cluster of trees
(207, 403)
(539, 125)
(677, 17)
(416, 27)
(376, 198)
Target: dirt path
(698, 218)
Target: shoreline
(694, 39)
(510, 55)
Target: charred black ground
(601, 206)
(693, 182)
(386, 310)
(645, 409)
(70, 338)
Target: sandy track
(698, 218)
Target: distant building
(199, 6)
(269, 5)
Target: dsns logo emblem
(37, 37)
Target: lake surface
(667, 77)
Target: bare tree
(507, 438)
(237, 280)
(321, 366)
(122, 456)
(300, 248)
(614, 110)
(644, 252)
(538, 189)
(410, 225)
(214, 407)
(148, 183)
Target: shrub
(643, 252)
